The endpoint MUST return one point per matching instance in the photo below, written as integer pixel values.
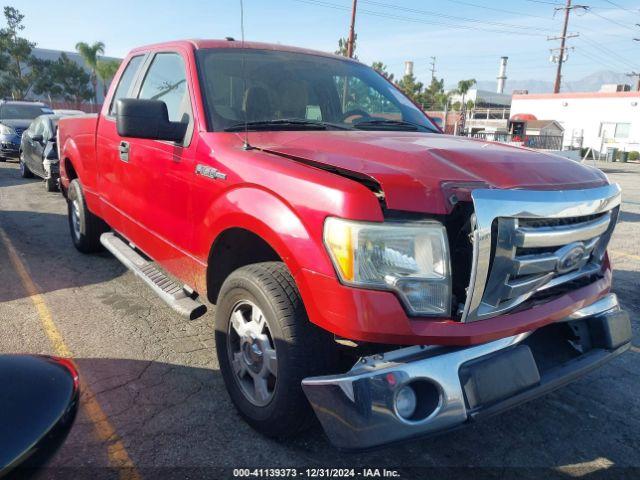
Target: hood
(412, 168)
(16, 123)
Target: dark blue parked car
(15, 118)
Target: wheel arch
(257, 226)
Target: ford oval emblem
(571, 258)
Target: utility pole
(635, 74)
(352, 30)
(563, 41)
(433, 68)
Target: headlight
(411, 259)
(6, 130)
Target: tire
(302, 349)
(51, 184)
(84, 226)
(24, 169)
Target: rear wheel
(85, 227)
(266, 346)
(24, 170)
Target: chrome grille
(529, 241)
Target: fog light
(406, 402)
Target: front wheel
(85, 227)
(266, 346)
(24, 169)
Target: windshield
(267, 88)
(22, 112)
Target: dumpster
(624, 156)
(611, 154)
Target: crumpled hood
(412, 167)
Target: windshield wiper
(401, 125)
(284, 124)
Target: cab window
(166, 81)
(124, 85)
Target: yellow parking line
(116, 451)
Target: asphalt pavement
(154, 402)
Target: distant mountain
(590, 83)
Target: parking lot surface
(153, 397)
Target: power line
(609, 53)
(595, 57)
(419, 21)
(615, 22)
(555, 4)
(637, 12)
(501, 10)
(452, 17)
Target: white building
(597, 120)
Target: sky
(467, 37)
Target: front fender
(263, 213)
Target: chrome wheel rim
(75, 218)
(252, 353)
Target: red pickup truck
(364, 266)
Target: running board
(175, 295)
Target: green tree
(463, 88)
(381, 68)
(16, 76)
(343, 46)
(106, 70)
(62, 79)
(89, 54)
(433, 96)
(411, 87)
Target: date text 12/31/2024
(315, 473)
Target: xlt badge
(210, 172)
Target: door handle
(123, 149)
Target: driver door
(161, 172)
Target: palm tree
(106, 70)
(89, 54)
(463, 88)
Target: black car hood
(13, 123)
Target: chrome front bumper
(454, 385)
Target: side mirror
(37, 138)
(38, 404)
(149, 119)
